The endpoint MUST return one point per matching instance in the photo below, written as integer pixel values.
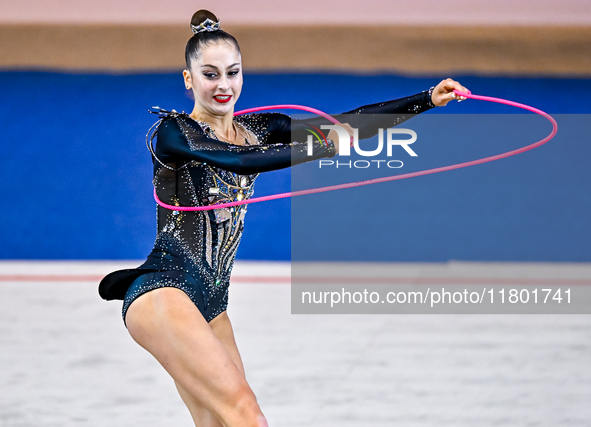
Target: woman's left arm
(369, 118)
(437, 96)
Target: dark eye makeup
(211, 75)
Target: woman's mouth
(222, 98)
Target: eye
(234, 72)
(210, 75)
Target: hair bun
(201, 16)
(206, 30)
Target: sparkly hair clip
(207, 25)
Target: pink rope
(288, 107)
(376, 180)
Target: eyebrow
(213, 66)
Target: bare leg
(169, 326)
(201, 416)
(222, 328)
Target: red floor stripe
(325, 280)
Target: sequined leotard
(194, 251)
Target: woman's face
(216, 78)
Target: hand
(443, 92)
(335, 136)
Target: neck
(222, 125)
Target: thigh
(168, 324)
(222, 328)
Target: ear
(187, 78)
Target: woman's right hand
(334, 136)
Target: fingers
(449, 85)
(452, 85)
(458, 97)
(349, 130)
(334, 135)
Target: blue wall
(76, 180)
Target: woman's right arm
(178, 142)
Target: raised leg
(168, 325)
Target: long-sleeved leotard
(194, 251)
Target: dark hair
(198, 41)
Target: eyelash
(213, 75)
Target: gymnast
(174, 304)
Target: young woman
(175, 303)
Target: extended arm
(179, 142)
(368, 118)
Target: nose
(224, 83)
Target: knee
(246, 410)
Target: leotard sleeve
(179, 142)
(368, 118)
(285, 145)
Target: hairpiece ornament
(207, 25)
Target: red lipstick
(222, 99)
